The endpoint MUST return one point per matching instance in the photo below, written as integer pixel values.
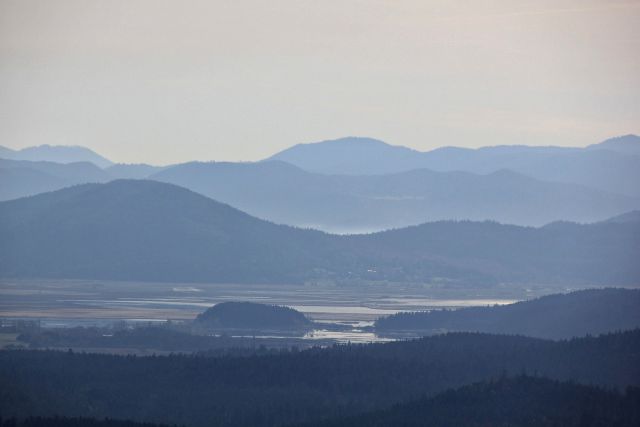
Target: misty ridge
(362, 185)
(152, 231)
(158, 230)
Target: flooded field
(60, 303)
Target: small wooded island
(248, 316)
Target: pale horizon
(171, 82)
(116, 161)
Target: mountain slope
(629, 144)
(145, 230)
(612, 166)
(578, 313)
(132, 171)
(20, 178)
(286, 194)
(6, 152)
(632, 216)
(58, 154)
(350, 155)
(516, 402)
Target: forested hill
(145, 230)
(516, 402)
(296, 387)
(72, 422)
(252, 316)
(592, 311)
(150, 231)
(521, 401)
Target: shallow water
(78, 302)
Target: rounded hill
(252, 316)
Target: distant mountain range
(285, 194)
(377, 186)
(613, 165)
(56, 153)
(561, 316)
(145, 230)
(132, 171)
(20, 178)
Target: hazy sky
(168, 81)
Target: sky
(162, 82)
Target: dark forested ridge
(150, 231)
(516, 402)
(521, 401)
(296, 386)
(72, 422)
(579, 313)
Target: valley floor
(354, 307)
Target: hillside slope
(143, 230)
(295, 387)
(515, 402)
(21, 178)
(560, 316)
(146, 230)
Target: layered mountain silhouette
(613, 165)
(364, 185)
(286, 194)
(132, 171)
(145, 230)
(20, 178)
(56, 153)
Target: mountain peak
(627, 217)
(629, 144)
(348, 156)
(350, 140)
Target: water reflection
(354, 336)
